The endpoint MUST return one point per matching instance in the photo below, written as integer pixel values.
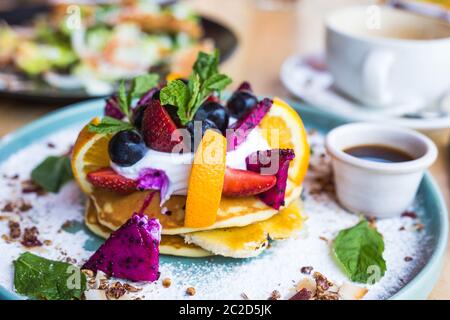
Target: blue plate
(430, 199)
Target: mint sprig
(52, 173)
(359, 251)
(139, 86)
(110, 125)
(204, 80)
(40, 278)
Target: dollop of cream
(178, 166)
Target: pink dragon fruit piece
(241, 129)
(276, 162)
(245, 86)
(112, 108)
(131, 252)
(146, 97)
(154, 179)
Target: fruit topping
(276, 162)
(154, 179)
(138, 112)
(283, 128)
(241, 102)
(112, 108)
(148, 96)
(126, 148)
(206, 181)
(107, 178)
(243, 183)
(204, 81)
(214, 112)
(138, 115)
(172, 111)
(243, 126)
(197, 130)
(158, 128)
(131, 252)
(213, 98)
(245, 86)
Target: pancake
(251, 240)
(170, 245)
(114, 209)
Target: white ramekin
(378, 189)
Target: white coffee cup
(387, 57)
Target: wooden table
(266, 39)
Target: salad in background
(76, 46)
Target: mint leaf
(52, 173)
(139, 85)
(216, 82)
(122, 98)
(110, 125)
(194, 91)
(359, 251)
(142, 84)
(177, 94)
(204, 80)
(206, 65)
(40, 278)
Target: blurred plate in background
(16, 86)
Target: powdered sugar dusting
(213, 278)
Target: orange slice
(206, 181)
(90, 153)
(283, 128)
(174, 76)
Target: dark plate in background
(39, 91)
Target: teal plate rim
(419, 287)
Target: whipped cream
(178, 166)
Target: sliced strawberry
(242, 183)
(158, 127)
(107, 178)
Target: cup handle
(375, 77)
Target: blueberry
(214, 112)
(172, 111)
(138, 115)
(241, 102)
(156, 95)
(197, 129)
(126, 148)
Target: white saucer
(308, 79)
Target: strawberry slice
(243, 183)
(107, 178)
(158, 127)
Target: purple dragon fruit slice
(112, 108)
(154, 179)
(131, 252)
(245, 86)
(241, 129)
(147, 97)
(276, 162)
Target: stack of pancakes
(243, 227)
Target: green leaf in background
(40, 278)
(110, 125)
(142, 84)
(52, 173)
(359, 251)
